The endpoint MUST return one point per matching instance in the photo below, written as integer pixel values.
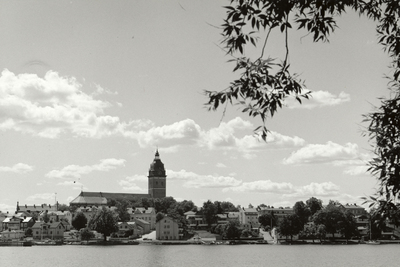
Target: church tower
(157, 178)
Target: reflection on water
(198, 255)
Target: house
(12, 235)
(129, 226)
(42, 230)
(36, 208)
(355, 209)
(167, 229)
(145, 214)
(17, 223)
(195, 220)
(143, 226)
(55, 216)
(278, 213)
(248, 218)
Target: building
(36, 208)
(42, 230)
(157, 178)
(124, 227)
(55, 216)
(12, 235)
(145, 214)
(278, 213)
(157, 186)
(17, 223)
(248, 218)
(167, 229)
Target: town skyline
(89, 90)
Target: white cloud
(262, 186)
(318, 99)
(5, 207)
(193, 180)
(50, 106)
(129, 184)
(76, 171)
(315, 189)
(185, 132)
(347, 156)
(324, 153)
(17, 168)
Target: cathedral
(157, 185)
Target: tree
(331, 217)
(228, 206)
(159, 216)
(290, 225)
(314, 205)
(46, 217)
(122, 210)
(79, 221)
(62, 207)
(86, 234)
(264, 83)
(302, 211)
(104, 221)
(209, 212)
(232, 230)
(348, 227)
(267, 220)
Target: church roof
(100, 198)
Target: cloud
(185, 132)
(129, 184)
(17, 168)
(193, 180)
(262, 186)
(220, 165)
(347, 156)
(324, 153)
(53, 105)
(76, 171)
(318, 99)
(5, 207)
(326, 189)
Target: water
(198, 255)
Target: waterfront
(201, 255)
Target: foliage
(29, 231)
(122, 210)
(46, 217)
(264, 83)
(267, 220)
(104, 221)
(302, 211)
(232, 230)
(87, 234)
(348, 227)
(227, 206)
(164, 204)
(159, 216)
(79, 221)
(331, 217)
(209, 212)
(62, 207)
(314, 205)
(290, 225)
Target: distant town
(122, 218)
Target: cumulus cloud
(319, 99)
(323, 153)
(17, 168)
(262, 186)
(193, 180)
(326, 189)
(347, 156)
(183, 132)
(52, 105)
(130, 184)
(76, 171)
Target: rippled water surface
(198, 255)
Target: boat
(373, 242)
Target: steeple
(157, 178)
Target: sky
(90, 89)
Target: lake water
(201, 255)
